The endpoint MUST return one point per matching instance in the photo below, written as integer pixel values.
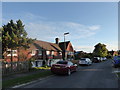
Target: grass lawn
(25, 79)
(118, 74)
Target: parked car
(116, 61)
(96, 60)
(85, 61)
(104, 58)
(63, 67)
(101, 58)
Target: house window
(60, 53)
(33, 52)
(14, 52)
(70, 53)
(48, 52)
(52, 53)
(40, 52)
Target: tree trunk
(18, 66)
(11, 61)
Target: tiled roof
(61, 44)
(38, 44)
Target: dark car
(116, 61)
(63, 67)
(96, 60)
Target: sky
(88, 23)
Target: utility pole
(65, 46)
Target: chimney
(57, 40)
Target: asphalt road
(98, 75)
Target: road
(98, 75)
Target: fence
(14, 67)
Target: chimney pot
(57, 40)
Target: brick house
(66, 47)
(113, 53)
(39, 51)
(45, 51)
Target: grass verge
(118, 74)
(25, 79)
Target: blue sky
(87, 22)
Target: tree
(118, 52)
(14, 36)
(88, 55)
(1, 43)
(100, 50)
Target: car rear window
(61, 62)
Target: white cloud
(38, 27)
(84, 48)
(32, 16)
(45, 29)
(94, 27)
(112, 46)
(88, 48)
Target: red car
(63, 67)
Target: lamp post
(65, 46)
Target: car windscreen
(118, 57)
(61, 62)
(95, 58)
(82, 59)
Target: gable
(70, 47)
(61, 45)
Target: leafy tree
(88, 55)
(14, 36)
(1, 43)
(81, 54)
(100, 50)
(118, 52)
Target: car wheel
(69, 72)
(76, 69)
(115, 66)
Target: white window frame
(40, 52)
(52, 52)
(47, 52)
(14, 52)
(33, 52)
(60, 53)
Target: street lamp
(65, 46)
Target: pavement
(98, 75)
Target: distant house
(67, 49)
(113, 53)
(79, 54)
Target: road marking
(91, 70)
(115, 71)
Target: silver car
(85, 61)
